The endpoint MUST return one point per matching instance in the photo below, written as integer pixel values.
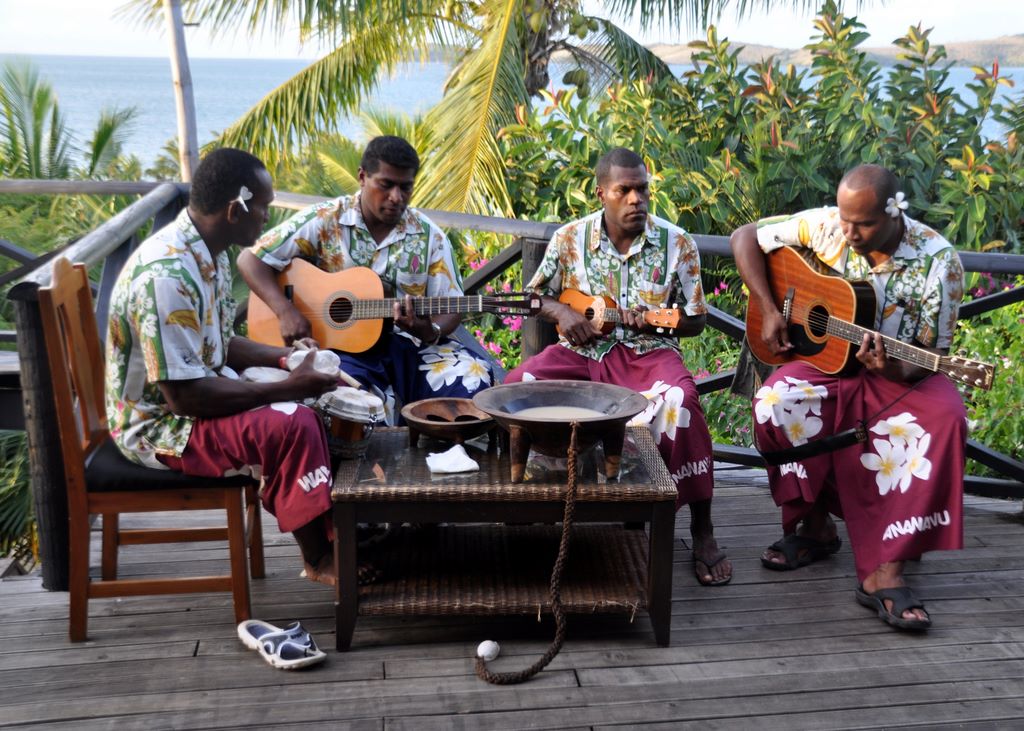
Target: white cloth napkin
(454, 460)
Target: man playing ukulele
(639, 261)
(901, 490)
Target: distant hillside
(1008, 50)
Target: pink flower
(493, 347)
(514, 323)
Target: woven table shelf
(494, 569)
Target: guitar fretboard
(384, 308)
(893, 348)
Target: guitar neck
(893, 348)
(384, 308)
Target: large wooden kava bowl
(617, 405)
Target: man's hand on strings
(775, 333)
(576, 328)
(872, 356)
(294, 327)
(407, 319)
(633, 318)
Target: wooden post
(46, 463)
(188, 147)
(537, 333)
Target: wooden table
(501, 562)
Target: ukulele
(828, 317)
(346, 310)
(605, 314)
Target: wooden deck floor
(771, 650)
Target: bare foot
(710, 565)
(324, 573)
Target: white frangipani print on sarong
(791, 404)
(473, 371)
(901, 457)
(665, 411)
(444, 364)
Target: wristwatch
(437, 334)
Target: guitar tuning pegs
(979, 381)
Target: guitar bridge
(787, 303)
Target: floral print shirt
(415, 258)
(661, 268)
(917, 291)
(171, 314)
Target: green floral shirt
(917, 291)
(415, 258)
(171, 314)
(661, 268)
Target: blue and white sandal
(254, 631)
(284, 654)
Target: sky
(89, 28)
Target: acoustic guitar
(346, 310)
(828, 317)
(605, 314)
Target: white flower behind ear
(895, 206)
(245, 194)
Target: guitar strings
(371, 309)
(823, 322)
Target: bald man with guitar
(861, 420)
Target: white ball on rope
(488, 650)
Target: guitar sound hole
(817, 321)
(340, 310)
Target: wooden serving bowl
(446, 418)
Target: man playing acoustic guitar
(637, 261)
(900, 488)
(376, 229)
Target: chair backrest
(76, 366)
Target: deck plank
(771, 649)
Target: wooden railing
(112, 242)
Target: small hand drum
(449, 419)
(350, 416)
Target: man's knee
(303, 423)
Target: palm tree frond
(412, 129)
(339, 159)
(108, 139)
(611, 55)
(465, 170)
(698, 14)
(312, 101)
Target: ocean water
(224, 89)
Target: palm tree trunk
(188, 149)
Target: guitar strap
(856, 435)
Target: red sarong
(674, 416)
(901, 492)
(284, 443)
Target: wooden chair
(100, 480)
